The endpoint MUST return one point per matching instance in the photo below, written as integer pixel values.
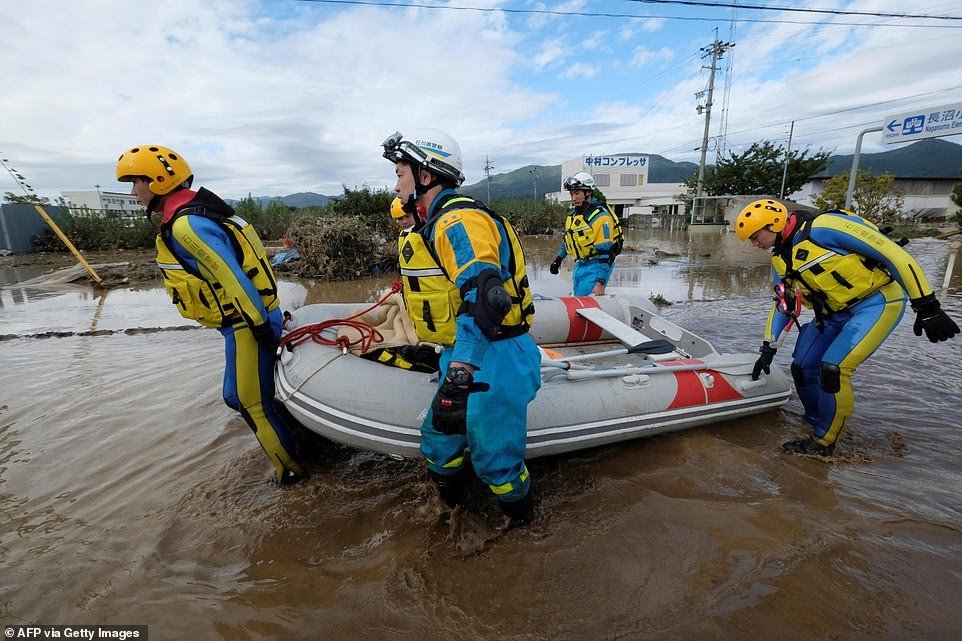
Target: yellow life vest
(827, 278)
(208, 302)
(579, 235)
(432, 299)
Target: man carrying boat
(592, 235)
(466, 288)
(856, 280)
(216, 272)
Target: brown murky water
(130, 494)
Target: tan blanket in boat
(391, 320)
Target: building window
(629, 180)
(602, 180)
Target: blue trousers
(497, 422)
(585, 274)
(249, 389)
(823, 362)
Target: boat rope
(315, 331)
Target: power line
(756, 127)
(630, 16)
(762, 7)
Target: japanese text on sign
(616, 161)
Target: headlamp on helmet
(431, 149)
(580, 181)
(163, 167)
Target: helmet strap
(153, 205)
(411, 206)
(421, 189)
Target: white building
(623, 179)
(98, 202)
(925, 198)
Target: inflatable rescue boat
(612, 370)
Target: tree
(759, 171)
(32, 199)
(874, 197)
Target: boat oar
(732, 367)
(659, 346)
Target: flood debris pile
(340, 249)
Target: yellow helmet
(164, 167)
(397, 209)
(758, 214)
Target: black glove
(264, 335)
(556, 264)
(764, 362)
(931, 319)
(450, 404)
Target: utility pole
(488, 166)
(788, 155)
(716, 49)
(534, 172)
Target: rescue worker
(466, 288)
(216, 272)
(856, 281)
(592, 235)
(404, 219)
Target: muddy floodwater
(130, 494)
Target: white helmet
(581, 180)
(431, 149)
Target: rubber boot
(450, 487)
(521, 512)
(289, 478)
(808, 446)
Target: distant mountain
(520, 182)
(928, 158)
(300, 199)
(517, 183)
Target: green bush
(114, 230)
(530, 216)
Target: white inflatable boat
(612, 370)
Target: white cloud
(643, 55)
(654, 24)
(551, 54)
(579, 70)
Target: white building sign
(924, 123)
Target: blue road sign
(924, 123)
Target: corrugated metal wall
(18, 225)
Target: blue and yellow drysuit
(440, 267)
(216, 272)
(856, 280)
(593, 236)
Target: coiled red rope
(313, 332)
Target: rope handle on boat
(314, 331)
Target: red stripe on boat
(722, 390)
(580, 329)
(690, 391)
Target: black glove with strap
(556, 264)
(450, 405)
(264, 335)
(932, 320)
(764, 362)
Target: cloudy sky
(277, 97)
